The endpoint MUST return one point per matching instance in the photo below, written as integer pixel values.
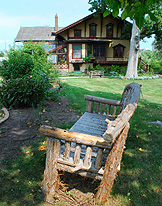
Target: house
(96, 37)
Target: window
(92, 30)
(89, 49)
(77, 33)
(119, 51)
(77, 51)
(99, 50)
(109, 30)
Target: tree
(136, 10)
(1, 54)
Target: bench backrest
(129, 101)
(130, 95)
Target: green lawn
(139, 181)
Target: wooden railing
(101, 105)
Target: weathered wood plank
(87, 159)
(108, 109)
(97, 107)
(102, 108)
(102, 100)
(77, 154)
(88, 123)
(98, 158)
(90, 106)
(67, 151)
(114, 110)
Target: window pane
(121, 52)
(92, 30)
(89, 49)
(116, 51)
(110, 30)
(77, 51)
(77, 33)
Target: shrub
(23, 92)
(26, 76)
(17, 65)
(118, 69)
(98, 67)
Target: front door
(76, 67)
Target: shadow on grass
(20, 179)
(138, 181)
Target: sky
(16, 13)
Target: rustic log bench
(94, 145)
(99, 73)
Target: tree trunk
(133, 52)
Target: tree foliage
(135, 9)
(1, 54)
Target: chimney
(56, 22)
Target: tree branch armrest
(115, 127)
(79, 138)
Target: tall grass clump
(26, 76)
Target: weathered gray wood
(67, 151)
(102, 108)
(87, 158)
(114, 110)
(90, 106)
(98, 158)
(97, 107)
(77, 154)
(88, 123)
(130, 99)
(108, 109)
(102, 100)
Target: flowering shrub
(26, 76)
(59, 87)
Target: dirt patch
(22, 127)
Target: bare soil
(23, 125)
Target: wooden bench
(99, 73)
(94, 145)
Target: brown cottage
(94, 37)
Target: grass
(139, 181)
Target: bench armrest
(115, 127)
(79, 138)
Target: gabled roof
(84, 19)
(36, 34)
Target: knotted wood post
(111, 167)
(50, 181)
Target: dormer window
(92, 30)
(109, 30)
(77, 33)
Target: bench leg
(50, 182)
(111, 168)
